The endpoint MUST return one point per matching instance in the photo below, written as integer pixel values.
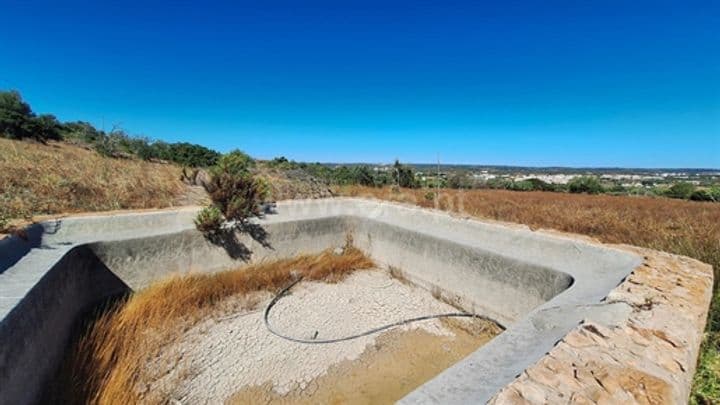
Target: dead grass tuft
(109, 364)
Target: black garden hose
(285, 290)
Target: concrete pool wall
(540, 286)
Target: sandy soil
(233, 358)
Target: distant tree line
(361, 175)
(585, 185)
(18, 121)
(404, 176)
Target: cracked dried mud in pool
(397, 363)
(233, 358)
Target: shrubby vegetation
(404, 176)
(709, 194)
(680, 190)
(236, 163)
(585, 184)
(236, 194)
(361, 175)
(18, 121)
(209, 221)
(688, 191)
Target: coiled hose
(285, 290)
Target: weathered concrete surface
(541, 286)
(648, 359)
(32, 338)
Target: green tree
(540, 185)
(363, 176)
(460, 180)
(235, 163)
(585, 184)
(81, 131)
(16, 116)
(342, 175)
(46, 127)
(404, 176)
(188, 154)
(522, 185)
(680, 190)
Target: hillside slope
(55, 178)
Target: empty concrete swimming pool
(537, 285)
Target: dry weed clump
(110, 362)
(61, 178)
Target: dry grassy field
(60, 178)
(683, 227)
(676, 226)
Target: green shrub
(235, 163)
(585, 184)
(460, 180)
(522, 185)
(363, 176)
(539, 185)
(701, 195)
(209, 221)
(706, 384)
(709, 194)
(238, 196)
(46, 127)
(107, 145)
(714, 192)
(283, 163)
(680, 190)
(404, 176)
(430, 196)
(18, 121)
(81, 131)
(186, 154)
(499, 183)
(618, 189)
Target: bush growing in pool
(236, 195)
(209, 221)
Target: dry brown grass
(110, 362)
(61, 178)
(683, 227)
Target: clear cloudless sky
(540, 83)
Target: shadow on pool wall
(536, 284)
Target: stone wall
(647, 359)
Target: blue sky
(576, 83)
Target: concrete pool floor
(232, 356)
